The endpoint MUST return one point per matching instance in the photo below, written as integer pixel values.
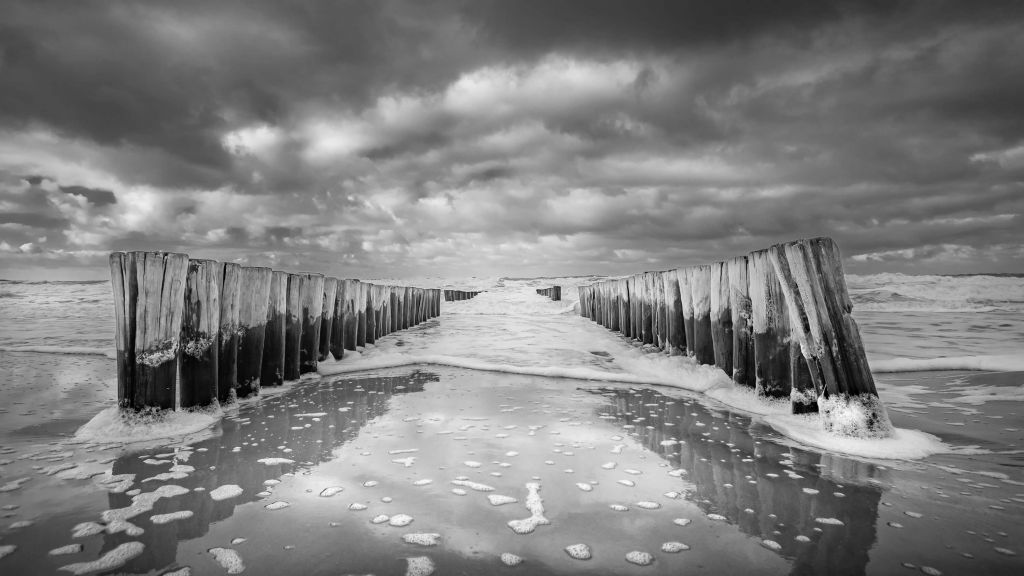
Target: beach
(436, 447)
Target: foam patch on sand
(116, 425)
(904, 443)
(113, 559)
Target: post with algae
(148, 290)
(227, 355)
(327, 317)
(777, 320)
(272, 372)
(200, 326)
(253, 300)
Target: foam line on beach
(992, 363)
(685, 374)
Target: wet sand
(755, 502)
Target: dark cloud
(468, 135)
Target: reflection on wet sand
(768, 492)
(307, 425)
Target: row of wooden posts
(192, 332)
(776, 320)
(555, 292)
(453, 295)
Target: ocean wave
(82, 350)
(991, 363)
(906, 293)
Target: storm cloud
(386, 138)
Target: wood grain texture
(253, 301)
(200, 326)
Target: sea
(511, 434)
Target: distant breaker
(192, 332)
(777, 320)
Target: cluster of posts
(555, 292)
(194, 332)
(453, 295)
(776, 320)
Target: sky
(459, 138)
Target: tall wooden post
(360, 312)
(338, 324)
(700, 286)
(293, 328)
(673, 313)
(229, 279)
(274, 342)
(771, 328)
(311, 287)
(253, 295)
(721, 316)
(395, 308)
(200, 324)
(149, 296)
(350, 319)
(742, 328)
(327, 316)
(820, 310)
(369, 312)
(684, 275)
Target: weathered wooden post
(312, 295)
(149, 297)
(634, 308)
(275, 340)
(647, 298)
(200, 324)
(721, 316)
(674, 313)
(395, 309)
(253, 299)
(229, 280)
(369, 311)
(742, 329)
(293, 328)
(407, 311)
(683, 275)
(327, 316)
(661, 309)
(700, 286)
(819, 306)
(342, 339)
(360, 313)
(771, 327)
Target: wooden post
(312, 295)
(647, 318)
(327, 317)
(253, 299)
(200, 324)
(700, 287)
(771, 328)
(338, 328)
(149, 296)
(229, 279)
(674, 313)
(661, 310)
(721, 316)
(369, 311)
(742, 330)
(635, 308)
(274, 343)
(395, 308)
(407, 310)
(360, 314)
(819, 305)
(686, 298)
(293, 328)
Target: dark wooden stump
(200, 323)
(360, 312)
(227, 355)
(369, 312)
(149, 296)
(274, 341)
(253, 300)
(350, 319)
